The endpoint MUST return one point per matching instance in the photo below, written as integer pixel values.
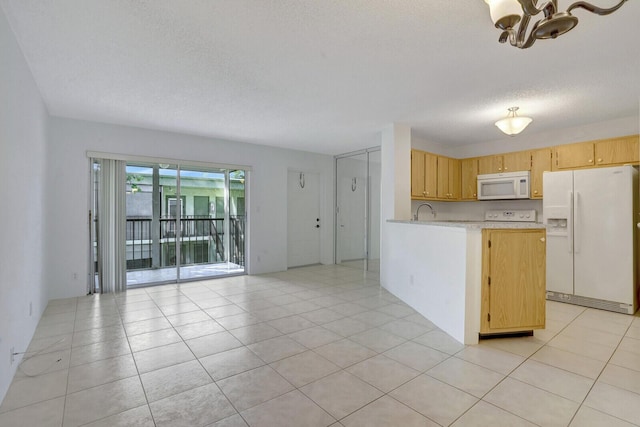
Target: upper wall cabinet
(540, 162)
(469, 179)
(424, 174)
(436, 177)
(508, 162)
(448, 178)
(574, 156)
(604, 152)
(518, 161)
(617, 150)
(490, 164)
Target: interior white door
(303, 219)
(603, 212)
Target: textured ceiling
(322, 75)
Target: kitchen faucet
(415, 217)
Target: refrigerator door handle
(576, 225)
(570, 222)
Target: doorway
(303, 219)
(357, 234)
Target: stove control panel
(511, 216)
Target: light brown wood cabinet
(489, 164)
(436, 177)
(424, 175)
(469, 179)
(508, 162)
(513, 291)
(518, 161)
(540, 162)
(617, 151)
(604, 152)
(448, 178)
(572, 156)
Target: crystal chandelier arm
(594, 9)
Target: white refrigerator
(591, 217)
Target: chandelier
(507, 14)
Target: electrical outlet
(11, 355)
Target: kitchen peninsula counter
(436, 268)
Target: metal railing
(201, 241)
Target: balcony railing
(201, 241)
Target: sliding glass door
(152, 207)
(212, 222)
(182, 223)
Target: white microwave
(503, 186)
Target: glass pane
(152, 215)
(373, 239)
(207, 245)
(351, 220)
(237, 219)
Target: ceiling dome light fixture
(506, 14)
(513, 124)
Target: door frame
(179, 164)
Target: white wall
(68, 190)
(23, 138)
(437, 271)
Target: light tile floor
(315, 346)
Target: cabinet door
(443, 177)
(468, 179)
(430, 175)
(519, 161)
(540, 162)
(574, 155)
(454, 179)
(417, 174)
(489, 164)
(617, 150)
(514, 273)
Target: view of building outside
(207, 232)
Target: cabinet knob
(590, 160)
(535, 191)
(499, 169)
(427, 193)
(599, 160)
(542, 239)
(505, 168)
(475, 195)
(424, 193)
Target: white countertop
(476, 225)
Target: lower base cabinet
(513, 295)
